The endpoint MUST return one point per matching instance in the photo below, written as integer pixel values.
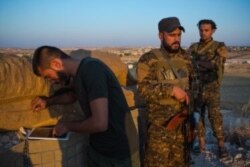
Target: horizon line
(99, 47)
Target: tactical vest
(174, 71)
(206, 53)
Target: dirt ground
(235, 91)
(235, 107)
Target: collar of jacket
(202, 42)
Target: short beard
(63, 78)
(169, 49)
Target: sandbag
(18, 80)
(113, 61)
(18, 87)
(133, 98)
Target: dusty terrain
(235, 89)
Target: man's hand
(180, 94)
(60, 129)
(39, 103)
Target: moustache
(176, 43)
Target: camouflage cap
(169, 24)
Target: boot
(222, 149)
(223, 153)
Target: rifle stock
(176, 120)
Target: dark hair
(43, 55)
(206, 21)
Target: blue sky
(108, 23)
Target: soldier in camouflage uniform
(163, 78)
(210, 56)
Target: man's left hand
(60, 129)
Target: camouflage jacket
(213, 52)
(156, 80)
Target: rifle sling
(200, 51)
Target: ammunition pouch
(208, 77)
(171, 102)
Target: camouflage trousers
(211, 101)
(164, 148)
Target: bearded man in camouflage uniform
(210, 56)
(163, 79)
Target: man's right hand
(39, 103)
